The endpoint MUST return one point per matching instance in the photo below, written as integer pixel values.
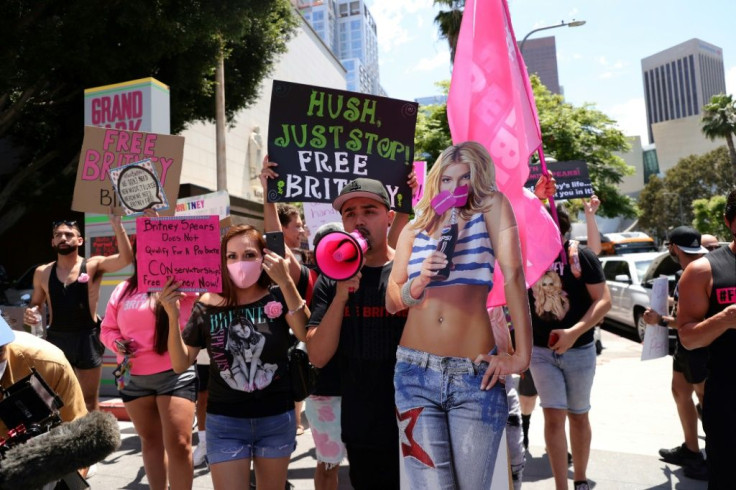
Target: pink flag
(491, 101)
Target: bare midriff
(451, 321)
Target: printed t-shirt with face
(559, 299)
(366, 357)
(249, 374)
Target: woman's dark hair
(229, 291)
(161, 332)
(563, 218)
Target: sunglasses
(710, 248)
(64, 222)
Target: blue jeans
(449, 428)
(233, 438)
(564, 381)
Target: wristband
(406, 296)
(662, 322)
(298, 308)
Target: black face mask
(65, 251)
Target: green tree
(432, 135)
(719, 121)
(653, 204)
(448, 22)
(584, 133)
(709, 216)
(52, 51)
(670, 200)
(568, 133)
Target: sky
(598, 63)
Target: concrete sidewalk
(633, 416)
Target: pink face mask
(245, 273)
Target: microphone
(62, 450)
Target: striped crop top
(473, 260)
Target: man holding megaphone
(349, 320)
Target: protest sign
(317, 214)
(186, 248)
(323, 138)
(217, 203)
(420, 170)
(104, 149)
(656, 341)
(573, 181)
(138, 187)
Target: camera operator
(20, 351)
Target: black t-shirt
(249, 376)
(721, 370)
(559, 299)
(366, 357)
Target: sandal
(299, 430)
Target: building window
(681, 95)
(696, 107)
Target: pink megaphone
(339, 255)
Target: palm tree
(449, 22)
(719, 121)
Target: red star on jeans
(409, 446)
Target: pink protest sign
(420, 170)
(186, 248)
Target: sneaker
(681, 456)
(200, 452)
(582, 485)
(697, 471)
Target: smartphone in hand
(275, 242)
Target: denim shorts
(323, 413)
(449, 428)
(233, 438)
(564, 381)
(183, 385)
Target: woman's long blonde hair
(482, 182)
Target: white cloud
(392, 18)
(731, 80)
(441, 59)
(631, 117)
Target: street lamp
(574, 23)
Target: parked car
(626, 243)
(11, 292)
(629, 278)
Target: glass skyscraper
(349, 30)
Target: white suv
(629, 278)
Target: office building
(349, 30)
(680, 80)
(540, 56)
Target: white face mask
(245, 273)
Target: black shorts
(526, 384)
(83, 350)
(203, 377)
(167, 383)
(693, 364)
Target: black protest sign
(573, 181)
(323, 138)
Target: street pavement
(633, 416)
